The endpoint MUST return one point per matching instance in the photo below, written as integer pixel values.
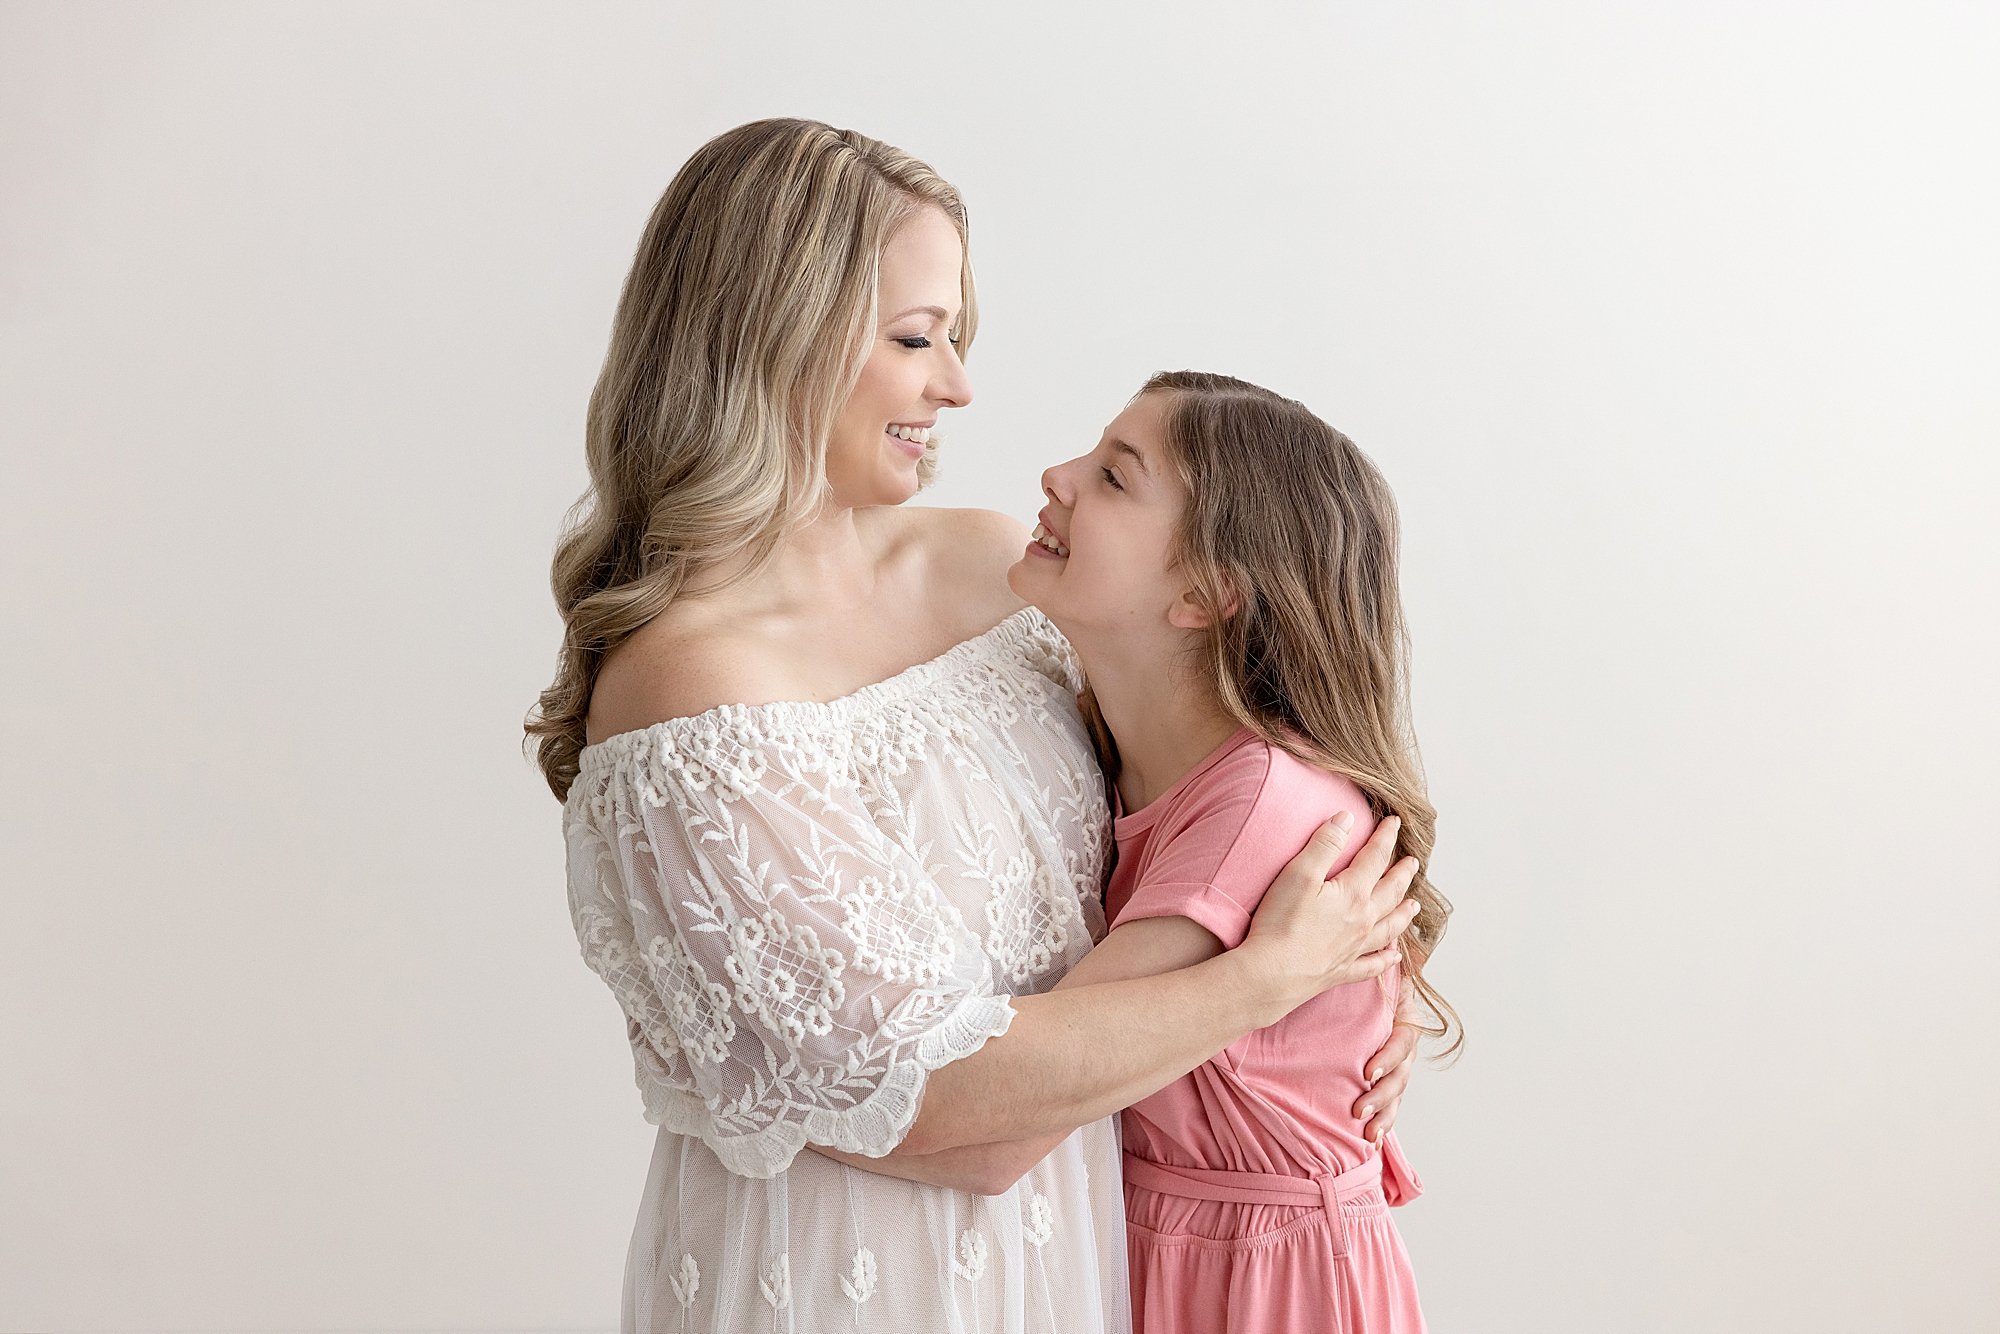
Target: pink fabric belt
(1326, 1190)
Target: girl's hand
(1377, 1106)
(1311, 933)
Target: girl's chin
(1021, 578)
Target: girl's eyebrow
(935, 312)
(1137, 457)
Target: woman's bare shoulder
(684, 662)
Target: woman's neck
(824, 565)
(1164, 722)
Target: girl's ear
(1191, 610)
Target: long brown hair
(740, 331)
(1289, 519)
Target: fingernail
(1345, 819)
(1375, 1074)
(1367, 1110)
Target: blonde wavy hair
(1288, 518)
(742, 327)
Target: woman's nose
(1051, 478)
(952, 387)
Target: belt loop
(1329, 1200)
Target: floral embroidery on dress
(971, 1261)
(859, 1284)
(697, 1009)
(803, 909)
(888, 745)
(1030, 916)
(895, 929)
(1041, 1221)
(797, 930)
(783, 976)
(1000, 700)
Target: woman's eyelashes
(918, 342)
(1111, 479)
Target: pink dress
(1252, 1202)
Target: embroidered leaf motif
(776, 1284)
(687, 1283)
(860, 1281)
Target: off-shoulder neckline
(1011, 629)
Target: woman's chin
(893, 488)
(906, 476)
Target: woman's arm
(1082, 1052)
(1389, 1070)
(1144, 948)
(1111, 1033)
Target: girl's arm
(1118, 1029)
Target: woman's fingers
(1392, 887)
(1381, 1102)
(1363, 969)
(1391, 926)
(1388, 1076)
(1399, 1050)
(1374, 1127)
(1389, 1079)
(1315, 860)
(1375, 855)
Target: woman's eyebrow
(935, 312)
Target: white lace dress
(803, 910)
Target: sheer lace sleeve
(790, 972)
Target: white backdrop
(1674, 331)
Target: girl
(1224, 564)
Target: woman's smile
(912, 440)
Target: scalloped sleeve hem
(872, 1127)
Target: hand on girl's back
(1313, 933)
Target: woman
(833, 823)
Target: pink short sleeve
(1203, 904)
(1212, 860)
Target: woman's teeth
(1047, 543)
(916, 435)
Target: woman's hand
(1311, 933)
(1388, 1074)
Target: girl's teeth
(916, 435)
(1047, 543)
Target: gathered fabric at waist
(1384, 1179)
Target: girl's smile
(1100, 558)
(1046, 541)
